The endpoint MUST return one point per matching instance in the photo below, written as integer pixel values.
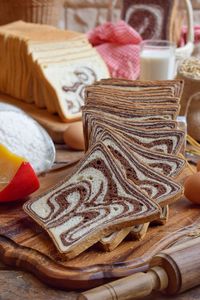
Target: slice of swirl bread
(158, 187)
(164, 141)
(93, 202)
(140, 113)
(132, 91)
(100, 94)
(165, 164)
(90, 117)
(132, 101)
(175, 86)
(111, 241)
(137, 232)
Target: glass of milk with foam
(157, 60)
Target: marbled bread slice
(162, 141)
(90, 117)
(111, 241)
(133, 101)
(100, 94)
(165, 164)
(158, 187)
(141, 114)
(138, 232)
(134, 90)
(93, 201)
(176, 85)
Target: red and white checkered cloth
(118, 44)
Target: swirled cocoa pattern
(75, 92)
(164, 141)
(161, 124)
(96, 196)
(165, 164)
(138, 114)
(156, 186)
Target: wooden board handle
(46, 269)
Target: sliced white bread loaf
(53, 67)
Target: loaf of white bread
(47, 66)
(128, 175)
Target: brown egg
(73, 136)
(192, 188)
(198, 166)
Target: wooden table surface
(19, 285)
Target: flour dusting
(25, 137)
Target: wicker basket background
(190, 104)
(35, 11)
(193, 117)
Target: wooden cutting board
(52, 123)
(93, 267)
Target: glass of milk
(157, 60)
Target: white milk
(157, 64)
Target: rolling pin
(173, 271)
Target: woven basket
(34, 11)
(186, 51)
(190, 99)
(193, 116)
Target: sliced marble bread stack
(47, 66)
(146, 129)
(126, 178)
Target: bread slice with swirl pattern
(90, 117)
(175, 86)
(162, 141)
(93, 202)
(158, 187)
(141, 113)
(130, 95)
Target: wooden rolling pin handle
(134, 286)
(182, 265)
(173, 270)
